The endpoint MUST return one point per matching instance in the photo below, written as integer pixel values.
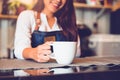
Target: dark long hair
(66, 18)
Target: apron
(40, 37)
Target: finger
(47, 52)
(44, 46)
(37, 58)
(49, 42)
(45, 57)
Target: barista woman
(35, 30)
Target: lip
(56, 5)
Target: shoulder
(26, 17)
(26, 13)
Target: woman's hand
(43, 52)
(40, 54)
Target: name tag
(49, 38)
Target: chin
(54, 11)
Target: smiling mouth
(57, 5)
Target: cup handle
(52, 55)
(51, 48)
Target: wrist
(29, 52)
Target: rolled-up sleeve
(22, 34)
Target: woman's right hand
(43, 52)
(40, 54)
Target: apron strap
(37, 20)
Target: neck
(50, 18)
(48, 14)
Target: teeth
(57, 5)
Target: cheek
(64, 1)
(47, 2)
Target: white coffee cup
(64, 52)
